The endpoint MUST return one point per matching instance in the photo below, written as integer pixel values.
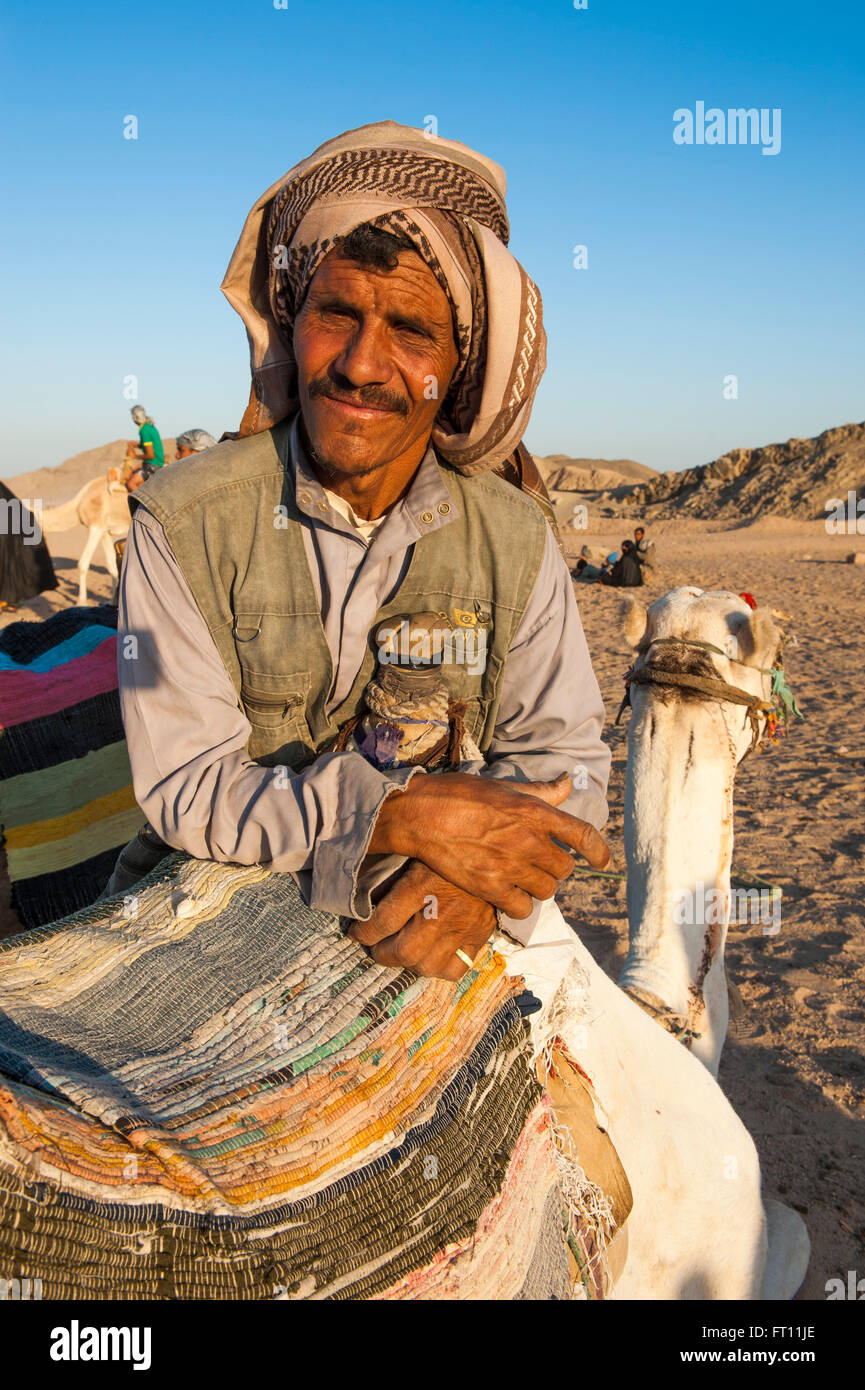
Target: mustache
(373, 396)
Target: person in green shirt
(149, 442)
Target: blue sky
(703, 261)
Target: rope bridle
(717, 689)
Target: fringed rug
(66, 802)
(208, 1091)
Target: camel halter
(714, 686)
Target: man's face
(375, 354)
(182, 452)
(639, 533)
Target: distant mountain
(795, 479)
(60, 484)
(561, 473)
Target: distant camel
(102, 506)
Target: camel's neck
(679, 844)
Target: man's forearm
(200, 790)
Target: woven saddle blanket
(207, 1090)
(66, 801)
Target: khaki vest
(231, 519)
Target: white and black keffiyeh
(450, 203)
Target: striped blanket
(66, 800)
(207, 1090)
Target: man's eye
(413, 331)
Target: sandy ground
(793, 1065)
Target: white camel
(699, 691)
(102, 505)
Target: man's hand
(403, 937)
(495, 840)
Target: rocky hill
(795, 479)
(561, 473)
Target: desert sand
(793, 1066)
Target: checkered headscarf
(449, 202)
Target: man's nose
(364, 359)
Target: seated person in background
(586, 573)
(645, 550)
(193, 442)
(625, 573)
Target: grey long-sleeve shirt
(187, 733)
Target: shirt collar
(426, 507)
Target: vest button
(305, 497)
(426, 516)
(444, 508)
(322, 506)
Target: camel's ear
(634, 618)
(758, 638)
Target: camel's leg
(113, 569)
(697, 1229)
(93, 537)
(110, 555)
(789, 1251)
(111, 561)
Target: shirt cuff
(336, 884)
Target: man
(385, 390)
(149, 443)
(585, 573)
(645, 550)
(625, 572)
(192, 442)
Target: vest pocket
(480, 695)
(275, 706)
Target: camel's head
(684, 743)
(713, 635)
